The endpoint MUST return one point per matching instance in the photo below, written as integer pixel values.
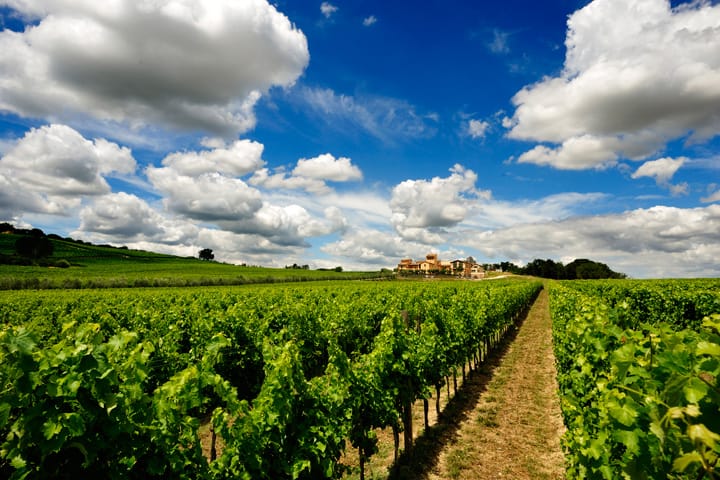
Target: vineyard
(638, 365)
(117, 383)
(288, 381)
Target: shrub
(62, 263)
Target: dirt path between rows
(514, 429)
(503, 422)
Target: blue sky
(356, 133)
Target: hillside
(75, 264)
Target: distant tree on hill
(510, 267)
(583, 268)
(31, 246)
(545, 269)
(206, 254)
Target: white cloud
(309, 174)
(712, 197)
(387, 119)
(655, 242)
(187, 64)
(210, 197)
(128, 220)
(281, 181)
(662, 170)
(477, 128)
(238, 159)
(205, 187)
(420, 207)
(53, 167)
(637, 75)
(576, 153)
(287, 225)
(328, 9)
(327, 167)
(371, 20)
(121, 216)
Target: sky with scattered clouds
(358, 133)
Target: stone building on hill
(433, 265)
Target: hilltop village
(433, 265)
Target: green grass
(94, 266)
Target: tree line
(579, 269)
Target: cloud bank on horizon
(281, 134)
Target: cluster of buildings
(433, 265)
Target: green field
(116, 383)
(94, 266)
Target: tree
(545, 269)
(34, 246)
(583, 268)
(510, 267)
(206, 254)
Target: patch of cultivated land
(514, 429)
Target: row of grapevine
(115, 383)
(639, 393)
(682, 304)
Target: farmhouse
(433, 264)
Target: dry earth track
(514, 429)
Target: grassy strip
(514, 429)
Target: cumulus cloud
(477, 128)
(52, 167)
(126, 219)
(636, 76)
(208, 197)
(206, 187)
(309, 174)
(662, 170)
(280, 180)
(287, 225)
(187, 64)
(387, 119)
(421, 207)
(576, 153)
(327, 167)
(238, 159)
(122, 216)
(655, 242)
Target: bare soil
(514, 429)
